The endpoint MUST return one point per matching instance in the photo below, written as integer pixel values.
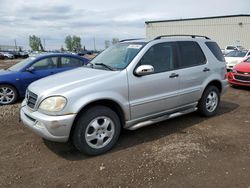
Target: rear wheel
(8, 94)
(209, 102)
(97, 130)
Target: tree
(68, 43)
(115, 41)
(73, 43)
(107, 43)
(35, 43)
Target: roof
(201, 18)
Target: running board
(159, 119)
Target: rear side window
(214, 48)
(190, 54)
(70, 62)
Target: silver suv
(129, 85)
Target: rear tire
(209, 102)
(96, 131)
(8, 94)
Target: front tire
(8, 94)
(209, 102)
(96, 131)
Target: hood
(69, 80)
(233, 60)
(243, 67)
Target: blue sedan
(15, 80)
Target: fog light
(39, 124)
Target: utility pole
(44, 44)
(15, 45)
(94, 44)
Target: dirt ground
(188, 151)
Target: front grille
(242, 78)
(31, 99)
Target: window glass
(191, 54)
(214, 48)
(236, 54)
(70, 62)
(160, 56)
(46, 63)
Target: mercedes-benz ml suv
(129, 85)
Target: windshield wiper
(106, 66)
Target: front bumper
(234, 81)
(54, 128)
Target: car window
(190, 54)
(230, 48)
(160, 56)
(236, 54)
(214, 48)
(70, 62)
(46, 63)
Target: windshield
(118, 56)
(19, 66)
(247, 60)
(236, 54)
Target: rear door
(193, 71)
(153, 94)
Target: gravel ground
(188, 151)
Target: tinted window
(230, 48)
(214, 48)
(70, 62)
(46, 63)
(191, 54)
(160, 56)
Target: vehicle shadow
(146, 134)
(245, 88)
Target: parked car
(15, 80)
(235, 57)
(1, 56)
(240, 74)
(231, 48)
(129, 85)
(8, 55)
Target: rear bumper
(225, 86)
(54, 128)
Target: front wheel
(96, 131)
(8, 94)
(209, 102)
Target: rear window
(191, 54)
(214, 48)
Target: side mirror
(144, 70)
(30, 69)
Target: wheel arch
(13, 85)
(103, 102)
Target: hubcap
(7, 95)
(212, 101)
(99, 132)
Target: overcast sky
(53, 20)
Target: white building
(225, 30)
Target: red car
(240, 74)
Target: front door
(41, 69)
(153, 94)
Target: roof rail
(130, 39)
(193, 36)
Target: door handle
(174, 75)
(206, 69)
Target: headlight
(234, 71)
(53, 104)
